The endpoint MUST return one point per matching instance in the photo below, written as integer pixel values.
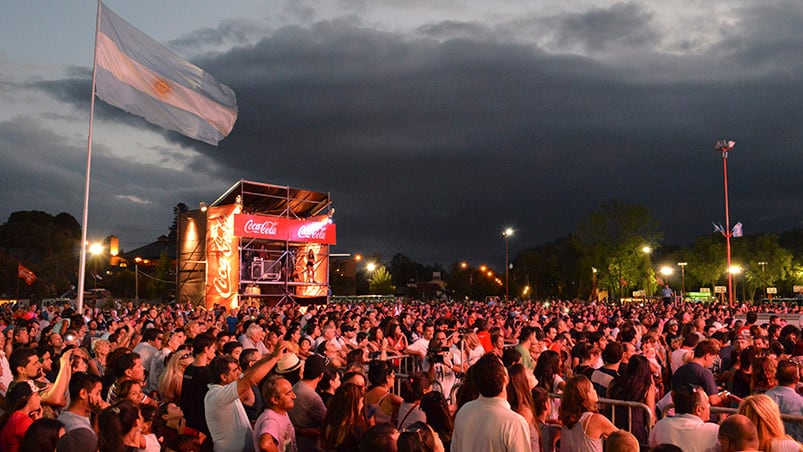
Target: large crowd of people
(491, 375)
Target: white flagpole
(85, 219)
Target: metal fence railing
(404, 365)
(608, 407)
(727, 411)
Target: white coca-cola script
(219, 247)
(312, 231)
(261, 228)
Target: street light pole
(735, 270)
(647, 250)
(137, 260)
(682, 266)
(763, 277)
(95, 249)
(724, 146)
(507, 233)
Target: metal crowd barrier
(403, 366)
(728, 411)
(406, 364)
(631, 406)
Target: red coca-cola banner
(222, 269)
(313, 230)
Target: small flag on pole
(139, 75)
(26, 274)
(737, 230)
(718, 228)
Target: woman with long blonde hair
(473, 348)
(97, 365)
(772, 437)
(170, 381)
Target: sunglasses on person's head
(415, 428)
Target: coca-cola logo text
(219, 251)
(263, 228)
(312, 231)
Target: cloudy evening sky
(433, 124)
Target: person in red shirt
(481, 326)
(25, 406)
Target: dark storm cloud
(43, 170)
(767, 38)
(451, 29)
(431, 146)
(228, 34)
(622, 25)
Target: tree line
(605, 252)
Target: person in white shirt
(5, 370)
(420, 346)
(149, 345)
(253, 338)
(273, 430)
(689, 429)
(488, 423)
(228, 423)
(158, 361)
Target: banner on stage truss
(222, 256)
(312, 230)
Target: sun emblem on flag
(162, 87)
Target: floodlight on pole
(506, 234)
(763, 277)
(95, 249)
(724, 147)
(137, 260)
(734, 270)
(647, 250)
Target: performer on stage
(310, 266)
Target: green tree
(611, 240)
(764, 248)
(551, 270)
(460, 281)
(381, 282)
(707, 260)
(405, 270)
(45, 244)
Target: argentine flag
(139, 75)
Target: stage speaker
(256, 269)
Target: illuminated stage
(256, 242)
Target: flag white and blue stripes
(737, 230)
(139, 75)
